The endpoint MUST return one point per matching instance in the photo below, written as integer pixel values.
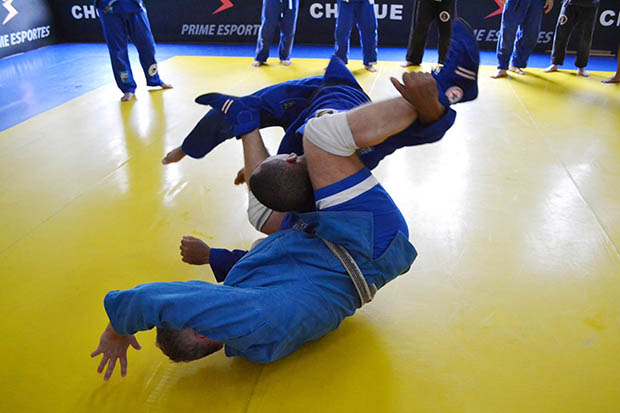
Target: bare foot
(551, 68)
(582, 72)
(407, 63)
(615, 79)
(127, 97)
(286, 62)
(165, 85)
(516, 70)
(370, 68)
(499, 74)
(173, 156)
(194, 251)
(256, 63)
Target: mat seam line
(254, 387)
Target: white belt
(365, 292)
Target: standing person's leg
(115, 33)
(447, 14)
(527, 36)
(563, 29)
(367, 24)
(342, 33)
(616, 78)
(420, 23)
(287, 30)
(511, 18)
(140, 33)
(585, 31)
(269, 24)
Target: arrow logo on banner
(500, 9)
(226, 4)
(12, 12)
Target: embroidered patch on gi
(289, 104)
(322, 112)
(563, 19)
(454, 94)
(124, 77)
(444, 16)
(153, 70)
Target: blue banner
(237, 21)
(25, 25)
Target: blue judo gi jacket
(285, 292)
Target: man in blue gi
(521, 19)
(122, 20)
(300, 283)
(291, 104)
(362, 13)
(282, 13)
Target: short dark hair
(175, 344)
(281, 185)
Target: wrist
(432, 113)
(111, 331)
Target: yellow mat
(512, 306)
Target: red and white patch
(563, 19)
(444, 16)
(153, 69)
(454, 94)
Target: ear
(199, 336)
(292, 158)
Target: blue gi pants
(363, 13)
(521, 18)
(118, 28)
(282, 13)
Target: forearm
(152, 305)
(204, 307)
(371, 124)
(254, 151)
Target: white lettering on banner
(219, 29)
(8, 4)
(484, 35)
(545, 37)
(30, 35)
(609, 17)
(316, 10)
(4, 40)
(396, 12)
(382, 11)
(84, 12)
(331, 10)
(492, 36)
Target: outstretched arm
(372, 123)
(254, 152)
(114, 347)
(365, 126)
